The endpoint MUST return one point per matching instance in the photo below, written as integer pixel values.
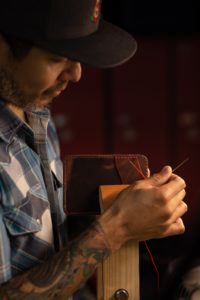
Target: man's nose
(72, 72)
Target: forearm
(63, 273)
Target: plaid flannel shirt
(26, 237)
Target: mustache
(60, 86)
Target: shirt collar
(10, 124)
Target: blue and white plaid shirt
(26, 185)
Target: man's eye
(58, 60)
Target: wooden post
(118, 276)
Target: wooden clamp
(118, 276)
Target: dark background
(149, 105)
(153, 17)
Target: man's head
(70, 28)
(42, 43)
(31, 77)
(19, 48)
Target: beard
(12, 93)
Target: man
(42, 44)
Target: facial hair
(12, 93)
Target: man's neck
(18, 111)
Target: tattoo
(63, 273)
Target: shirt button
(38, 221)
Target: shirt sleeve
(5, 261)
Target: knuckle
(156, 177)
(164, 231)
(167, 213)
(182, 230)
(185, 206)
(163, 197)
(181, 225)
(159, 195)
(181, 181)
(184, 192)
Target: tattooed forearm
(60, 276)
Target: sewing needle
(179, 165)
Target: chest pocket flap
(18, 222)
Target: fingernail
(166, 170)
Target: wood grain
(121, 269)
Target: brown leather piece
(83, 174)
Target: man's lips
(57, 90)
(61, 88)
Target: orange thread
(154, 264)
(139, 170)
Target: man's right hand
(150, 208)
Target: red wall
(149, 105)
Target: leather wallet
(83, 174)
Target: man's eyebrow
(58, 57)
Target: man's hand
(150, 208)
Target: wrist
(114, 233)
(95, 238)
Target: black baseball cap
(70, 28)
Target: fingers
(172, 191)
(176, 200)
(153, 207)
(175, 228)
(180, 210)
(179, 225)
(161, 177)
(174, 224)
(173, 186)
(166, 179)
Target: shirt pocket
(27, 216)
(29, 231)
(19, 223)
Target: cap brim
(109, 46)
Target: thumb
(162, 177)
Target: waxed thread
(145, 243)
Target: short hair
(19, 47)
